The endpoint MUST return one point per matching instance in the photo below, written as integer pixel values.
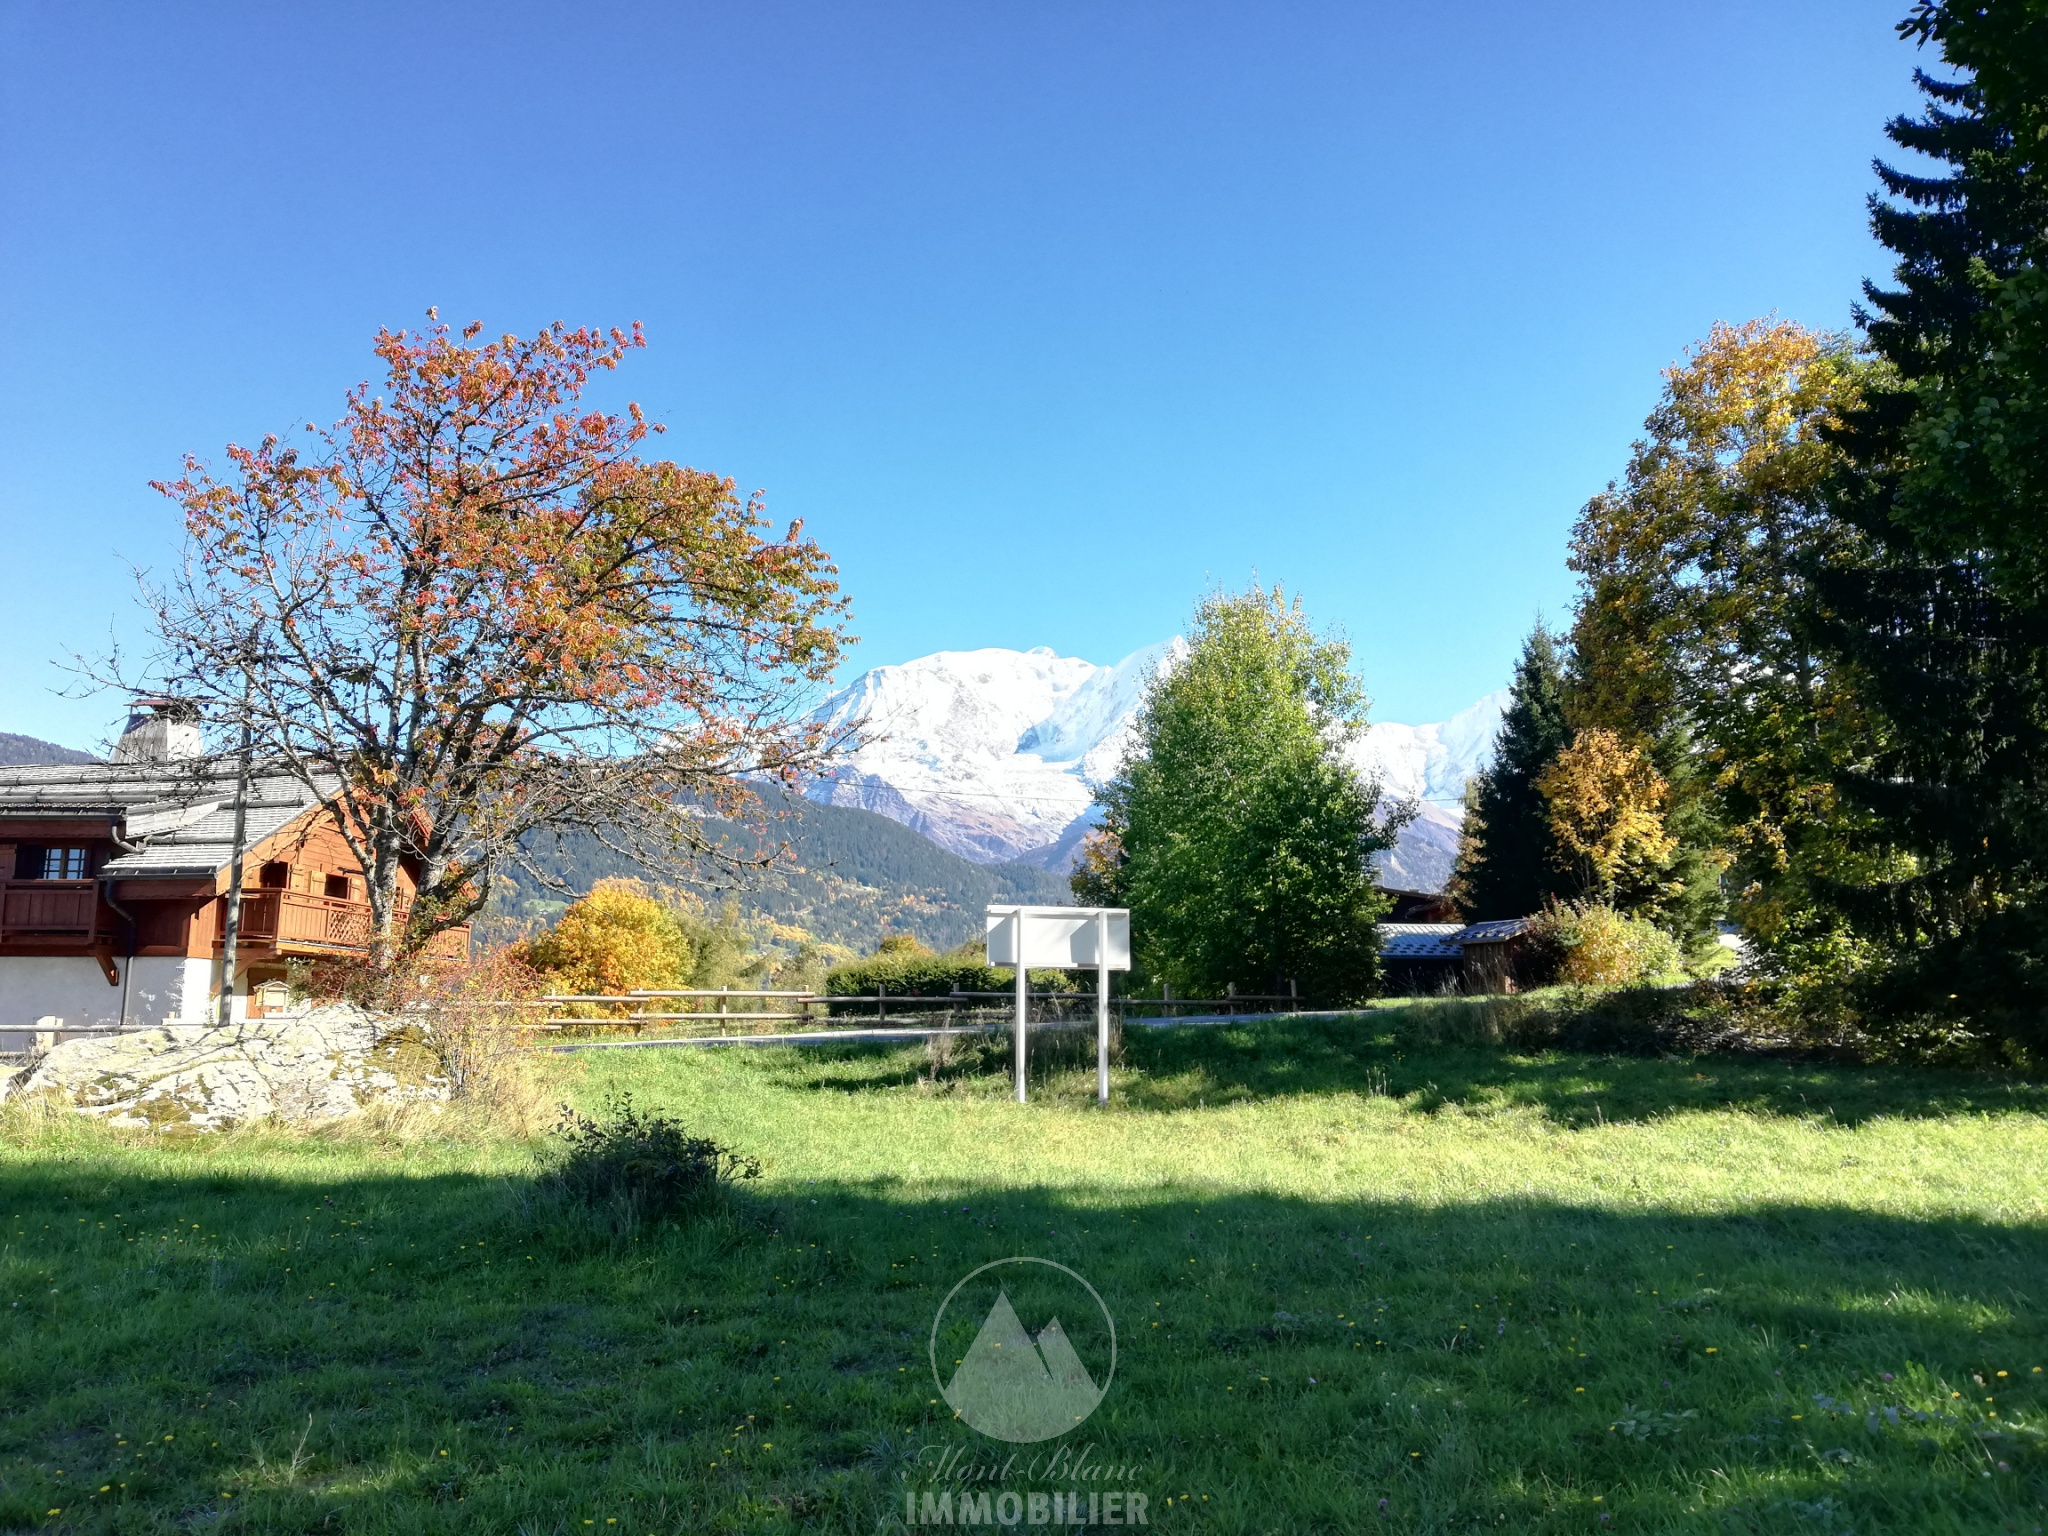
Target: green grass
(1548, 1294)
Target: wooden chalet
(114, 879)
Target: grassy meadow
(1359, 1282)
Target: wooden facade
(304, 896)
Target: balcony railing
(49, 908)
(298, 920)
(288, 919)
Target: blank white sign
(1062, 937)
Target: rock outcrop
(298, 1068)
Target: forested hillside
(27, 752)
(853, 877)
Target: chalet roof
(1419, 941)
(1496, 931)
(180, 814)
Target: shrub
(466, 1023)
(477, 1023)
(1591, 944)
(638, 1167)
(806, 969)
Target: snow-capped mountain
(1427, 766)
(993, 754)
(1431, 763)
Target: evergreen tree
(1237, 832)
(1944, 614)
(1508, 861)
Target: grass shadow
(347, 1347)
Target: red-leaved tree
(471, 611)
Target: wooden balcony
(61, 910)
(294, 922)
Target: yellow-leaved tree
(1607, 806)
(620, 938)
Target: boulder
(300, 1068)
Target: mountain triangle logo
(1011, 1385)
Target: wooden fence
(721, 1012)
(729, 1011)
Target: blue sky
(1045, 317)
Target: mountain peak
(995, 754)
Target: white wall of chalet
(161, 989)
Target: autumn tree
(471, 610)
(1237, 831)
(1097, 877)
(1507, 855)
(626, 935)
(1607, 815)
(1695, 637)
(619, 938)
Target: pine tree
(1944, 614)
(1508, 863)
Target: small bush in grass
(1593, 945)
(640, 1166)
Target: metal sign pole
(1102, 1009)
(1023, 1004)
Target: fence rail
(814, 1016)
(842, 1012)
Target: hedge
(931, 976)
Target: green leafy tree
(1508, 859)
(1943, 618)
(1237, 832)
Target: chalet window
(338, 886)
(276, 876)
(36, 863)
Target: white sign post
(1070, 938)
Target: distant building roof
(1419, 941)
(180, 814)
(1406, 906)
(1498, 931)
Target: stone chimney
(160, 731)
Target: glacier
(994, 754)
